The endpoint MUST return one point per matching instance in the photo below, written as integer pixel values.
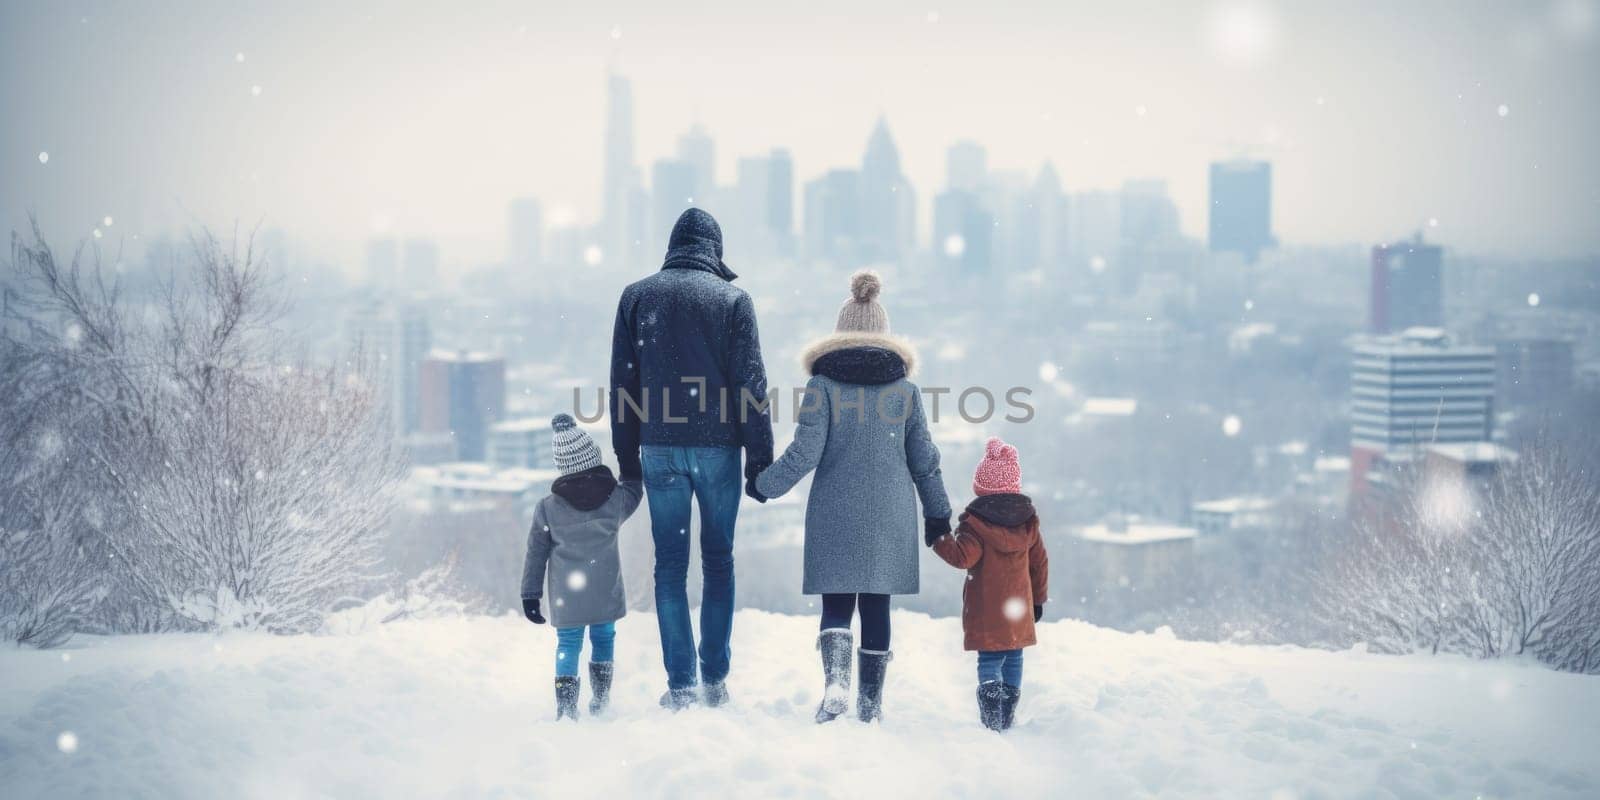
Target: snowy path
(462, 708)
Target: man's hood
(696, 243)
(586, 490)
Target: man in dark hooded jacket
(688, 390)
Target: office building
(698, 149)
(1413, 390)
(391, 343)
(462, 393)
(833, 217)
(673, 187)
(1407, 286)
(1241, 208)
(525, 443)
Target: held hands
(933, 528)
(751, 471)
(530, 609)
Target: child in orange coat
(1008, 573)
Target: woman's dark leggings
(837, 609)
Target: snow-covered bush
(210, 481)
(1510, 567)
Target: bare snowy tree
(1508, 568)
(214, 482)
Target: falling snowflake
(1503, 110)
(1015, 609)
(1141, 110)
(255, 91)
(593, 255)
(577, 579)
(1048, 372)
(107, 222)
(955, 245)
(1231, 425)
(616, 32)
(1097, 264)
(238, 58)
(44, 157)
(67, 742)
(1533, 298)
(65, 657)
(933, 18)
(97, 233)
(1433, 222)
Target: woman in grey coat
(862, 428)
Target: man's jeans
(713, 477)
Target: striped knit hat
(575, 450)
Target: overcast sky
(1377, 116)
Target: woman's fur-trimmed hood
(894, 347)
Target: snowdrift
(462, 707)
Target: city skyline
(420, 138)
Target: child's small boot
(567, 697)
(1008, 705)
(600, 686)
(871, 666)
(991, 704)
(835, 645)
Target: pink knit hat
(998, 472)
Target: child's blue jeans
(569, 646)
(1000, 665)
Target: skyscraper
(833, 217)
(617, 224)
(697, 147)
(963, 232)
(391, 343)
(463, 394)
(1407, 286)
(888, 205)
(780, 193)
(966, 166)
(673, 186)
(1241, 208)
(524, 233)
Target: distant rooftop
(1110, 406)
(1474, 452)
(1235, 505)
(1136, 533)
(461, 356)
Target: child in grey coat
(574, 540)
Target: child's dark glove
(933, 528)
(1038, 613)
(530, 609)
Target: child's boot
(872, 666)
(835, 645)
(991, 704)
(600, 686)
(1008, 705)
(567, 697)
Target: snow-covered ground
(462, 707)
